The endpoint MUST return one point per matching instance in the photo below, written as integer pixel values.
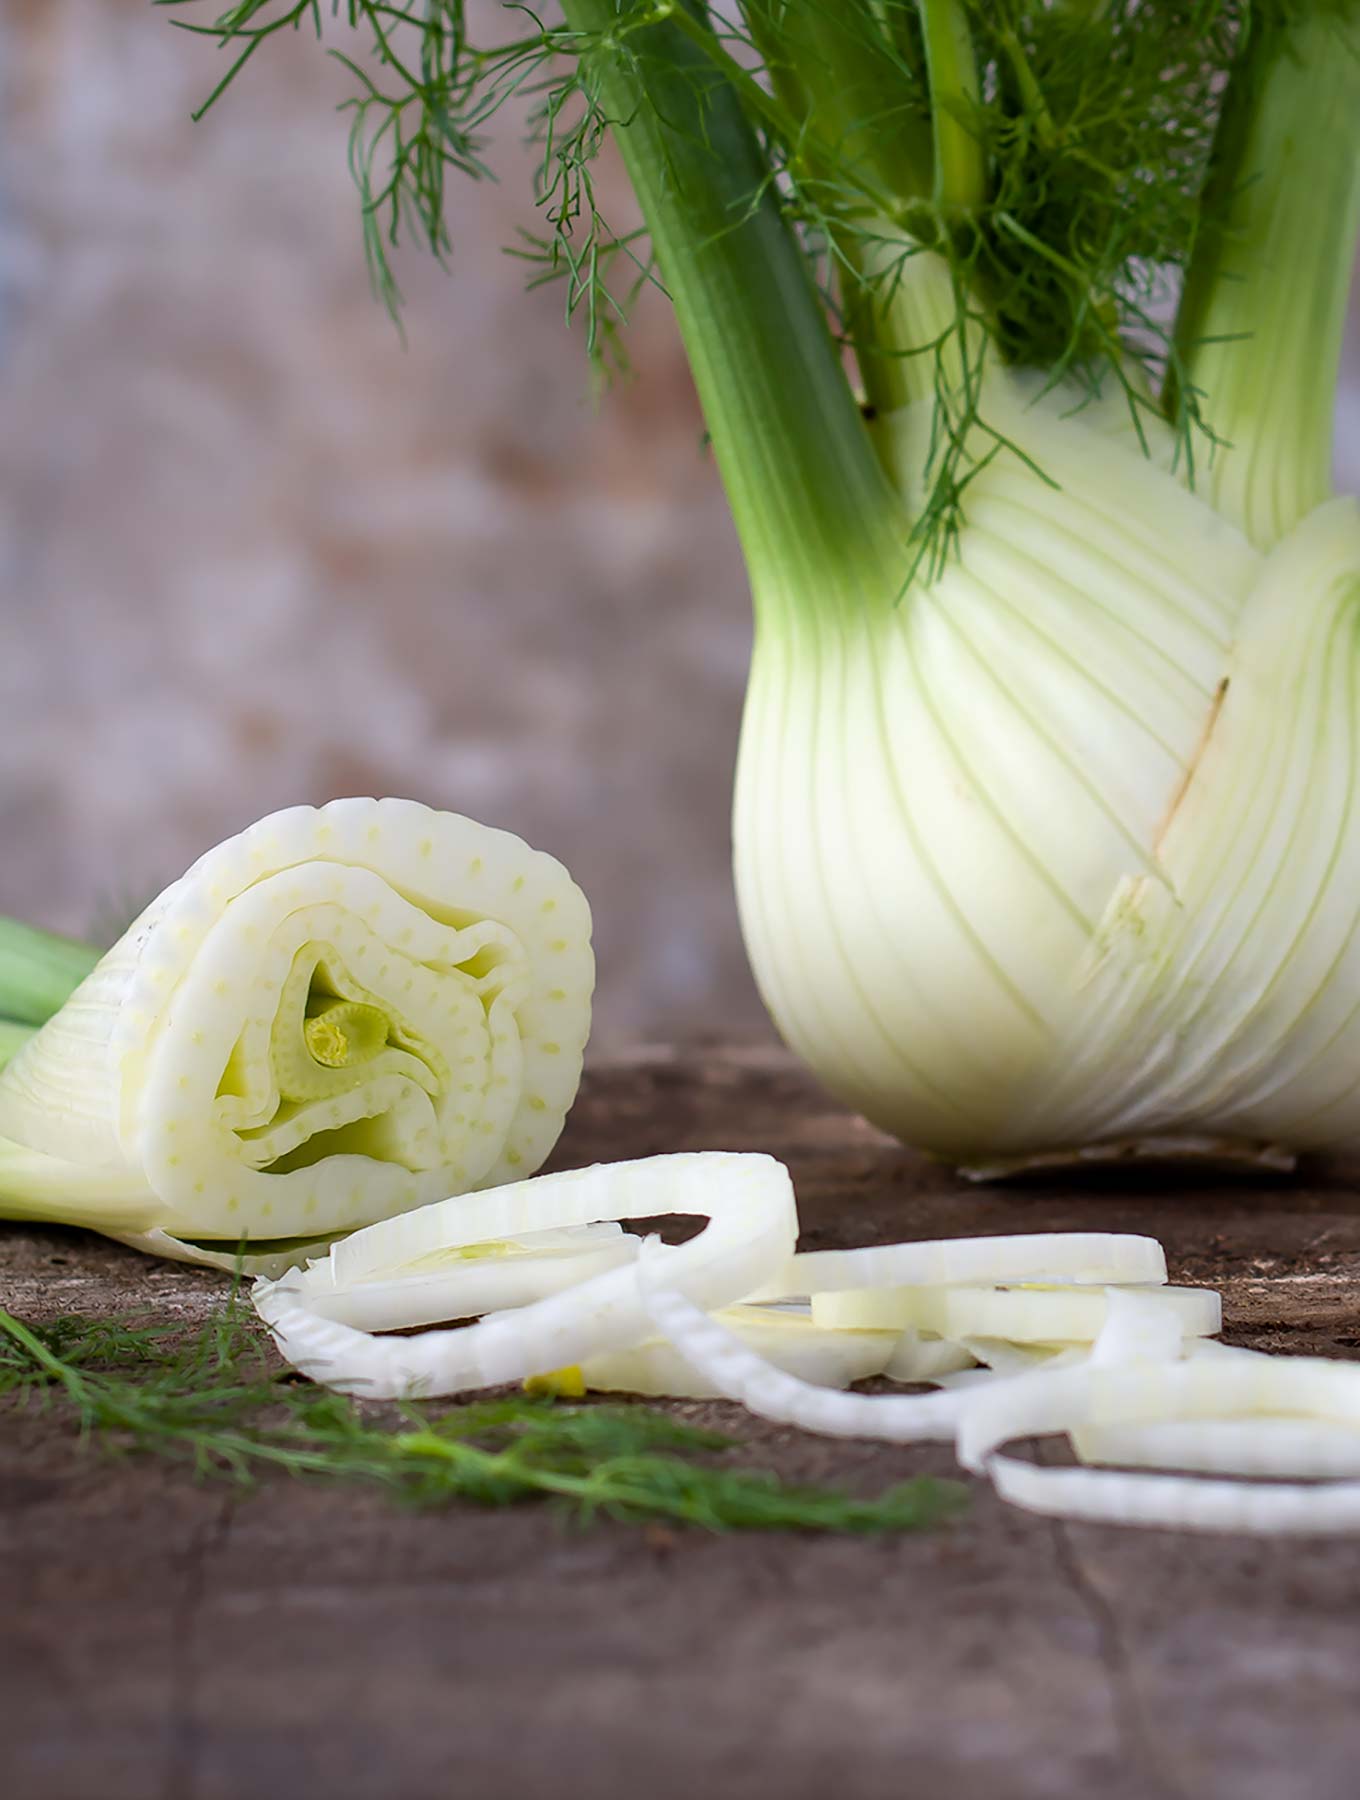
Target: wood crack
(182, 1753)
(1137, 1745)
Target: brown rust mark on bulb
(1193, 766)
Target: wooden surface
(163, 1641)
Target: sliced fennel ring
(737, 1370)
(1180, 1502)
(1307, 1449)
(1083, 1257)
(338, 1015)
(469, 1280)
(1019, 1315)
(1242, 1412)
(752, 1224)
(789, 1340)
(1225, 1385)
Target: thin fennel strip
(1274, 1447)
(993, 1357)
(1179, 1502)
(748, 1201)
(1087, 1257)
(917, 1358)
(466, 1282)
(1238, 1385)
(741, 1373)
(1137, 1404)
(1031, 1315)
(790, 1342)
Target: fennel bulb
(1043, 830)
(335, 1016)
(1061, 850)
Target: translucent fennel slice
(790, 1341)
(469, 1280)
(1087, 1257)
(1308, 1449)
(1233, 1412)
(464, 1281)
(1023, 1315)
(748, 1201)
(737, 1370)
(335, 1016)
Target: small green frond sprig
(214, 1403)
(1099, 128)
(1084, 133)
(425, 96)
(963, 443)
(603, 271)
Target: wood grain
(158, 1638)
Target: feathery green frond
(212, 1401)
(1053, 156)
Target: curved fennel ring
(335, 1016)
(752, 1224)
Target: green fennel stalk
(1055, 157)
(39, 971)
(1262, 319)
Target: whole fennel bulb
(1016, 330)
(1061, 850)
(1043, 833)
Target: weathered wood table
(165, 1641)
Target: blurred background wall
(254, 551)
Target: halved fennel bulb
(1061, 848)
(335, 1016)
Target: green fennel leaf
(213, 1402)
